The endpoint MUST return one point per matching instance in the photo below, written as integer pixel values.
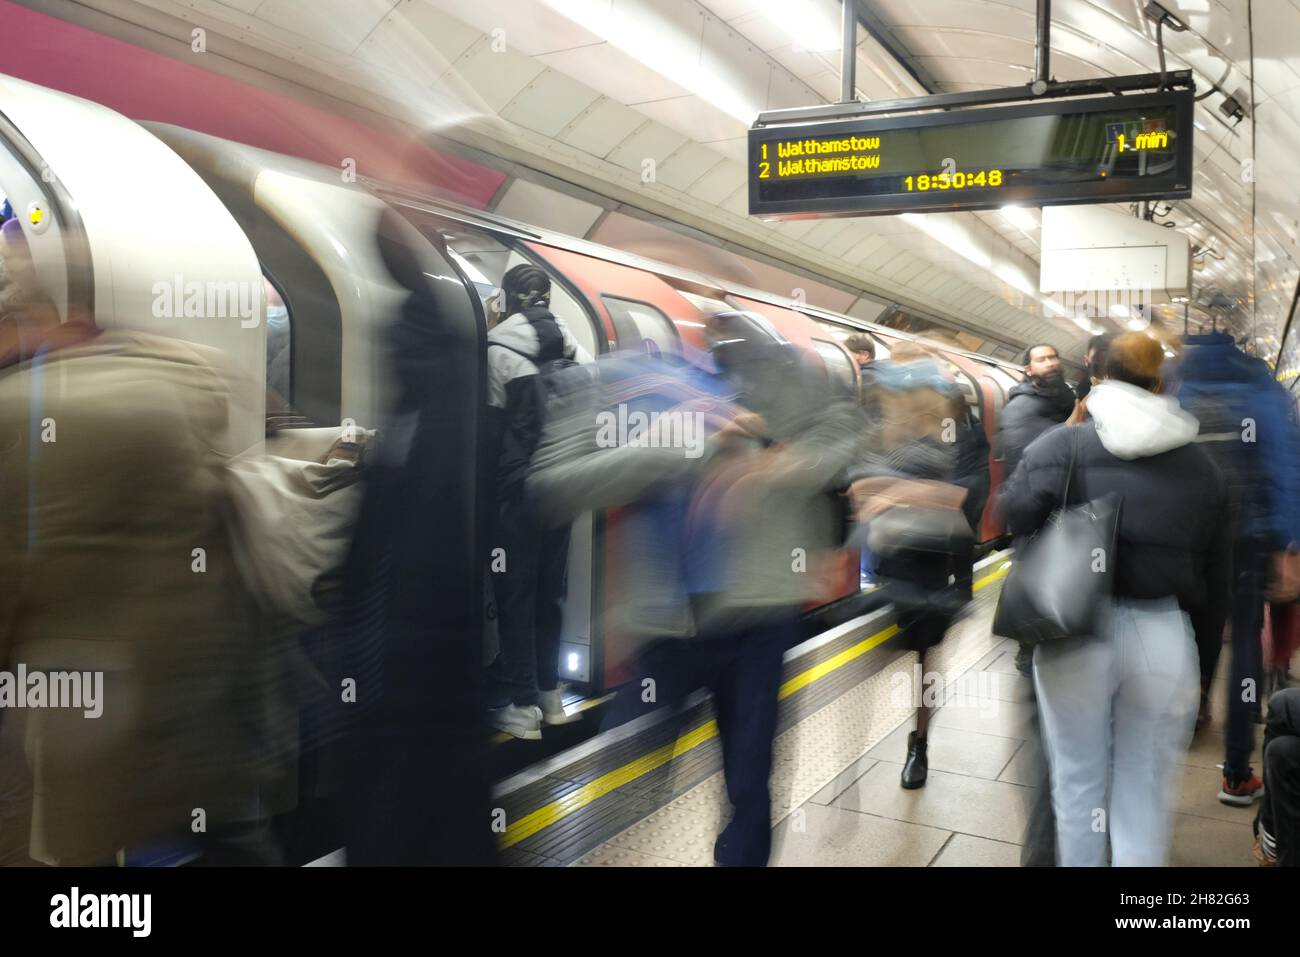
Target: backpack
(559, 380)
(558, 388)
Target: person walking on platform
(908, 502)
(1118, 706)
(761, 518)
(528, 344)
(1248, 426)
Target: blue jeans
(1249, 579)
(743, 670)
(1117, 710)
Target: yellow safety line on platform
(576, 800)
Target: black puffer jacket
(1030, 411)
(1174, 533)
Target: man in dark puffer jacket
(1035, 405)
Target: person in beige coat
(115, 559)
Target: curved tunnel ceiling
(648, 101)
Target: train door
(45, 267)
(482, 257)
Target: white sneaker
(521, 721)
(552, 703)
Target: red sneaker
(1242, 792)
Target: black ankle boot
(916, 766)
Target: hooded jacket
(1248, 427)
(1174, 531)
(1030, 411)
(516, 348)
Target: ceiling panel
(417, 38)
(604, 125)
(685, 167)
(719, 183)
(605, 68)
(338, 24)
(549, 103)
(693, 117)
(496, 78)
(653, 141)
(530, 28)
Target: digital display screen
(1099, 150)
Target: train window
(482, 284)
(484, 260)
(640, 325)
(706, 305)
(838, 365)
(279, 344)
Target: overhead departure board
(1099, 150)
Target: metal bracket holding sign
(1106, 149)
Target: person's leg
(747, 713)
(1279, 815)
(513, 675)
(1039, 848)
(1074, 681)
(552, 581)
(916, 766)
(1154, 717)
(1243, 684)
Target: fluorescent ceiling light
(1118, 310)
(1087, 325)
(952, 234)
(1014, 277)
(808, 23)
(1019, 216)
(664, 47)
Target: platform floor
(837, 799)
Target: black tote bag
(1063, 576)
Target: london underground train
(144, 225)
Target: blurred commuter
(114, 550)
(1033, 406)
(1094, 362)
(1248, 427)
(909, 502)
(419, 790)
(761, 515)
(863, 348)
(972, 468)
(1277, 826)
(1118, 707)
(526, 348)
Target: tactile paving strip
(612, 806)
(807, 757)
